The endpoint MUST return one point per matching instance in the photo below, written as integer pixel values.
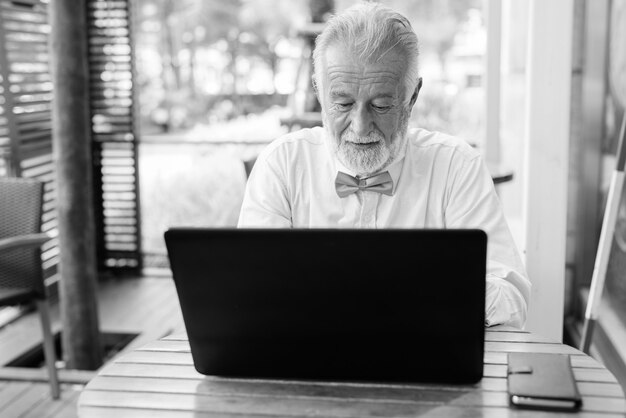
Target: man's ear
(315, 88)
(416, 92)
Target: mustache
(351, 136)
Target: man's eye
(381, 109)
(343, 106)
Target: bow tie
(345, 184)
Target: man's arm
(474, 203)
(504, 304)
(265, 203)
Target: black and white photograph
(312, 208)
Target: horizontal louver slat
(27, 93)
(113, 135)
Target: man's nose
(362, 122)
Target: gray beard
(365, 162)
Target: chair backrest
(248, 164)
(20, 214)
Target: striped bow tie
(345, 184)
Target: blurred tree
(216, 20)
(161, 19)
(437, 22)
(265, 23)
(168, 15)
(320, 11)
(181, 34)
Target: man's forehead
(345, 81)
(343, 66)
(351, 89)
(347, 75)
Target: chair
(21, 272)
(248, 164)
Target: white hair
(370, 30)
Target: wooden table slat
(285, 405)
(581, 374)
(106, 412)
(592, 385)
(598, 389)
(580, 361)
(319, 405)
(464, 395)
(611, 390)
(516, 336)
(159, 378)
(175, 366)
(530, 347)
(167, 345)
(506, 334)
(439, 412)
(505, 328)
(145, 353)
(212, 387)
(175, 343)
(132, 370)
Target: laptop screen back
(347, 304)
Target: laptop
(395, 305)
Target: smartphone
(542, 403)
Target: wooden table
(159, 380)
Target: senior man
(365, 169)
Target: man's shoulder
(292, 141)
(425, 141)
(298, 148)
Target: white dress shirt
(439, 181)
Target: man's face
(365, 107)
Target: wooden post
(592, 114)
(546, 161)
(492, 72)
(72, 151)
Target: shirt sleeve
(504, 304)
(265, 203)
(472, 202)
